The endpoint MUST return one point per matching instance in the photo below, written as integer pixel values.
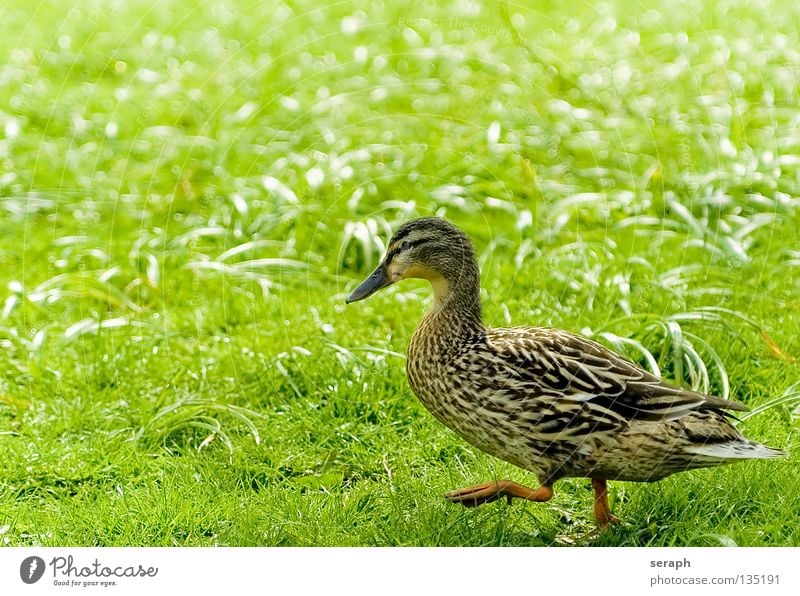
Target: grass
(188, 191)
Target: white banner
(409, 571)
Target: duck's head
(428, 248)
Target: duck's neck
(457, 300)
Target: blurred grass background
(188, 191)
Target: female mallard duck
(546, 400)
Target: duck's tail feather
(737, 451)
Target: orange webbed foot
(479, 494)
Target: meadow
(190, 190)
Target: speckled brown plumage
(546, 400)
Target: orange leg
(601, 509)
(491, 491)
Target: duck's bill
(376, 281)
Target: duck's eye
(405, 245)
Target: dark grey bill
(377, 280)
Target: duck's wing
(571, 368)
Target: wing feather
(574, 369)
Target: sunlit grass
(189, 191)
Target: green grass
(189, 191)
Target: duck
(549, 401)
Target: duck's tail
(735, 451)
